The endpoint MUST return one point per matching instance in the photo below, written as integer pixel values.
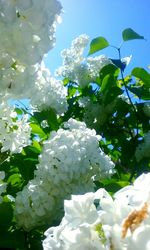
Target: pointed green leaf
(36, 129)
(107, 81)
(142, 74)
(110, 69)
(37, 146)
(130, 34)
(97, 44)
(141, 92)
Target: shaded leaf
(141, 92)
(107, 81)
(111, 94)
(109, 69)
(6, 214)
(118, 64)
(48, 115)
(12, 240)
(121, 64)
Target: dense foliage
(86, 130)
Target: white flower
(76, 67)
(138, 193)
(126, 60)
(97, 221)
(140, 239)
(3, 185)
(20, 26)
(96, 114)
(15, 133)
(48, 92)
(24, 40)
(70, 161)
(81, 209)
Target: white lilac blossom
(25, 37)
(48, 92)
(15, 132)
(96, 114)
(2, 184)
(70, 161)
(35, 83)
(143, 149)
(96, 221)
(76, 67)
(24, 41)
(16, 81)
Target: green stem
(127, 92)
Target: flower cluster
(70, 161)
(24, 41)
(15, 132)
(143, 149)
(95, 114)
(24, 37)
(97, 221)
(2, 184)
(76, 67)
(48, 92)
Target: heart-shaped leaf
(97, 44)
(130, 34)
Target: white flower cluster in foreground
(143, 149)
(96, 221)
(76, 67)
(2, 184)
(70, 160)
(15, 132)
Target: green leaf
(71, 91)
(36, 147)
(97, 44)
(48, 115)
(142, 74)
(15, 180)
(19, 111)
(6, 214)
(108, 76)
(36, 129)
(141, 92)
(119, 64)
(109, 69)
(26, 165)
(130, 34)
(65, 81)
(14, 239)
(107, 81)
(111, 94)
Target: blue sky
(106, 18)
